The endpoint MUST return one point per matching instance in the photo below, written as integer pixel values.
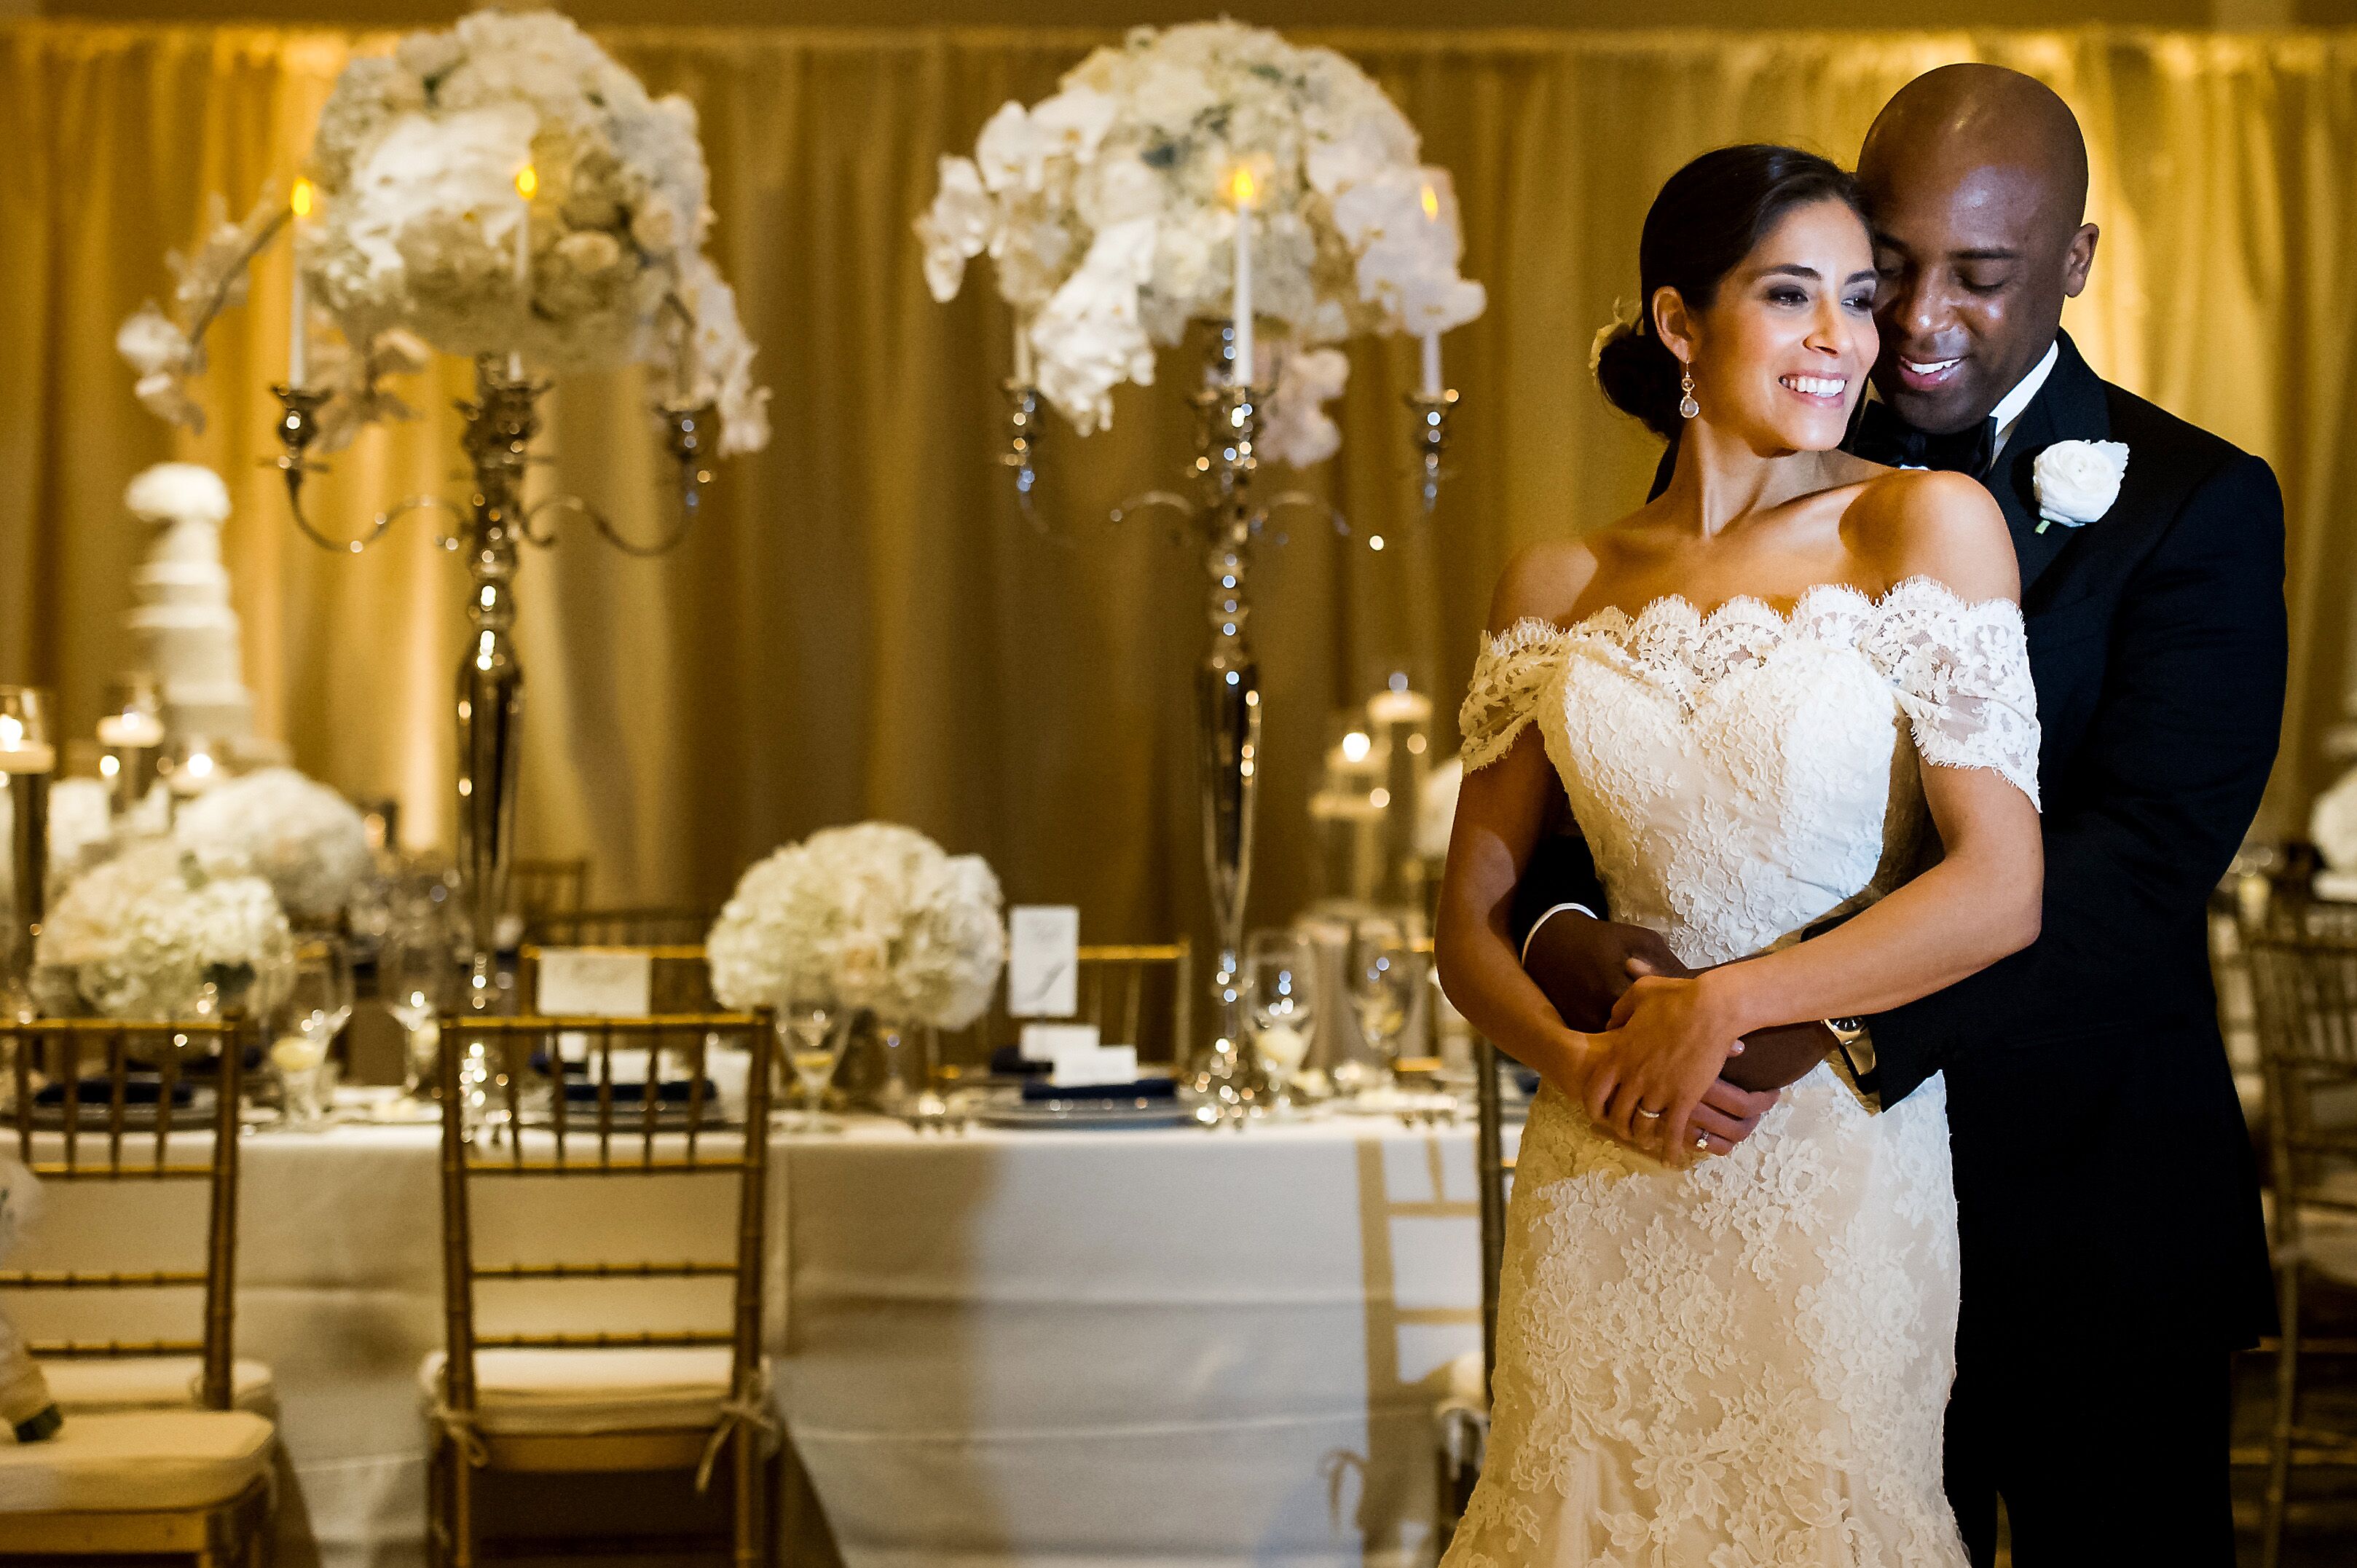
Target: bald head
(1982, 115)
(1976, 180)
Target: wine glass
(318, 1004)
(414, 970)
(1280, 1004)
(813, 1038)
(1384, 974)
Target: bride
(1791, 688)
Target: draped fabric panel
(863, 623)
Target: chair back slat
(57, 1052)
(1114, 986)
(660, 1137)
(2303, 965)
(648, 925)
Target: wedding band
(1649, 1115)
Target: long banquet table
(1151, 1347)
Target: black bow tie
(1884, 437)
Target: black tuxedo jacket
(2104, 1178)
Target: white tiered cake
(183, 626)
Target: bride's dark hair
(1705, 221)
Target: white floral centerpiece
(502, 186)
(306, 841)
(877, 917)
(1107, 210)
(144, 933)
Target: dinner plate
(1144, 1111)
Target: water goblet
(813, 1039)
(318, 1004)
(1280, 1007)
(1384, 974)
(414, 973)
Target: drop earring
(1687, 407)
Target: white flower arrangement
(413, 245)
(1104, 210)
(308, 841)
(415, 164)
(875, 917)
(143, 934)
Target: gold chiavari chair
(1464, 1416)
(575, 1402)
(544, 889)
(649, 926)
(95, 1103)
(1132, 992)
(2303, 961)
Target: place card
(1047, 1042)
(595, 983)
(1043, 961)
(1089, 1067)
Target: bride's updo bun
(1707, 218)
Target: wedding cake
(183, 627)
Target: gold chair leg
(751, 1552)
(462, 1509)
(2286, 1412)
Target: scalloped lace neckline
(1531, 630)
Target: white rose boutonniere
(2077, 482)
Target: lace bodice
(1738, 775)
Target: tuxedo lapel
(2071, 406)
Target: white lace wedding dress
(1746, 1362)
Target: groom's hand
(1584, 965)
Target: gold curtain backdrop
(861, 623)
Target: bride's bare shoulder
(1909, 523)
(1542, 582)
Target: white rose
(2077, 482)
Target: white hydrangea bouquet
(144, 934)
(306, 841)
(875, 917)
(1107, 210)
(503, 186)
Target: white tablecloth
(1167, 1347)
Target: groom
(2107, 1200)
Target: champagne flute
(1280, 1005)
(1384, 974)
(813, 1039)
(318, 1004)
(414, 973)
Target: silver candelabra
(492, 526)
(1226, 519)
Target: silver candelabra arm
(1431, 436)
(499, 423)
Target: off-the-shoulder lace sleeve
(1513, 666)
(1962, 674)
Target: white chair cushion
(136, 1461)
(152, 1382)
(2327, 1241)
(592, 1390)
